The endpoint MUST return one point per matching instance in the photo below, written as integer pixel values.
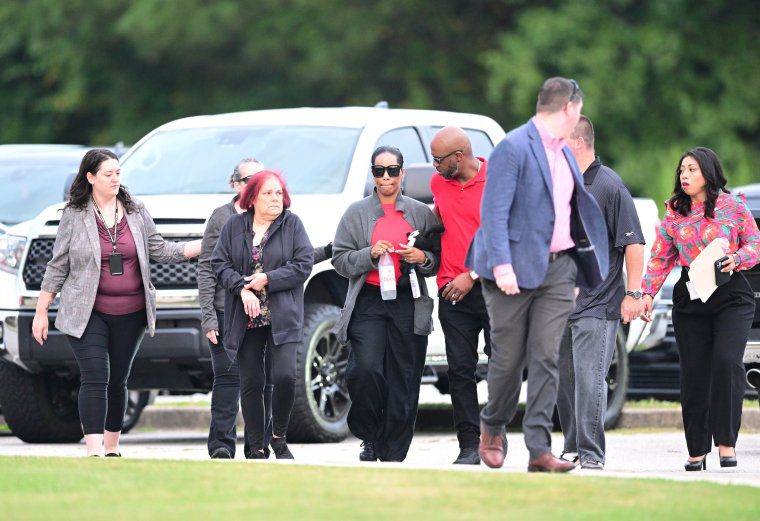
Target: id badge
(116, 263)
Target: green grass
(96, 488)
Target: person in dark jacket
(262, 258)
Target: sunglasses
(439, 160)
(245, 179)
(576, 88)
(379, 170)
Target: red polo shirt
(459, 207)
(394, 228)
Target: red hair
(253, 187)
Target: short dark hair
(389, 150)
(584, 129)
(556, 92)
(253, 187)
(715, 180)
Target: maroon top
(119, 294)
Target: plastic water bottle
(387, 277)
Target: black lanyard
(115, 223)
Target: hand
(40, 327)
(381, 247)
(631, 308)
(256, 281)
(507, 282)
(730, 263)
(647, 315)
(457, 288)
(211, 335)
(251, 303)
(411, 254)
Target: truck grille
(163, 276)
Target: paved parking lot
(654, 455)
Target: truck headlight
(11, 251)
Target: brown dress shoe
(491, 448)
(549, 463)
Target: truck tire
(39, 408)
(322, 401)
(617, 383)
(136, 402)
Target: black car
(653, 366)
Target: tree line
(660, 77)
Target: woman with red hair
(262, 258)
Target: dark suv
(654, 371)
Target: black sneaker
(221, 453)
(368, 452)
(468, 456)
(280, 449)
(256, 454)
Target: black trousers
(384, 371)
(257, 346)
(225, 398)
(462, 323)
(104, 355)
(711, 339)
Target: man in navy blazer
(541, 235)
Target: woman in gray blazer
(100, 266)
(388, 337)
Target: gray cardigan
(74, 269)
(211, 294)
(352, 259)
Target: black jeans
(462, 323)
(384, 371)
(225, 398)
(105, 354)
(711, 338)
(258, 345)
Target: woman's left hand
(256, 281)
(730, 263)
(411, 255)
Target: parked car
(654, 369)
(179, 171)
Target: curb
(199, 418)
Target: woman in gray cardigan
(388, 337)
(101, 267)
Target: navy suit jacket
(517, 215)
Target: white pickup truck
(179, 171)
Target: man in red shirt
(461, 309)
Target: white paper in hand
(702, 270)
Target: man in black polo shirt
(589, 341)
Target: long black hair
(715, 181)
(81, 189)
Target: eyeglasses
(576, 88)
(379, 170)
(439, 160)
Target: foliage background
(660, 77)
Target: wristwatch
(635, 294)
(473, 275)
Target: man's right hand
(211, 335)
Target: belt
(557, 254)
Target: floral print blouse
(257, 263)
(680, 239)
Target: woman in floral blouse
(711, 335)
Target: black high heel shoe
(728, 461)
(693, 466)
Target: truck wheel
(39, 408)
(617, 383)
(136, 402)
(322, 401)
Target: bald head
(449, 139)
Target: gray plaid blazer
(74, 269)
